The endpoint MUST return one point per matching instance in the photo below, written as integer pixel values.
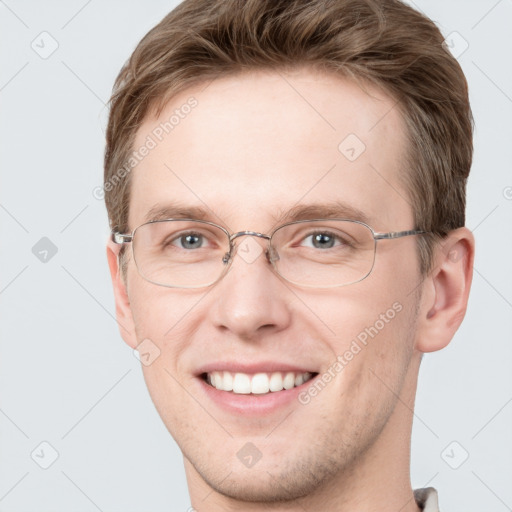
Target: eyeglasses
(319, 253)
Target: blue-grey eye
(323, 240)
(191, 241)
(320, 240)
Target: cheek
(159, 312)
(374, 348)
(362, 311)
(165, 321)
(369, 331)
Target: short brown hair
(385, 43)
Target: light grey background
(67, 378)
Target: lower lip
(253, 404)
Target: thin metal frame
(125, 238)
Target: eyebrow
(177, 211)
(327, 210)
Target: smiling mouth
(257, 383)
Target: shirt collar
(427, 499)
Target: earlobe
(123, 309)
(446, 291)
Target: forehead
(247, 148)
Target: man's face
(254, 147)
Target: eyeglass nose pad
(227, 257)
(272, 254)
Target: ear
(123, 309)
(446, 291)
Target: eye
(322, 240)
(188, 241)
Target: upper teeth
(259, 383)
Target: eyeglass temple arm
(396, 234)
(120, 238)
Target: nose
(250, 299)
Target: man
(285, 181)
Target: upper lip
(260, 367)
